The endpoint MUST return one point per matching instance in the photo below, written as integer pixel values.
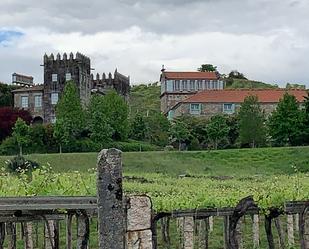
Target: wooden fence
(113, 221)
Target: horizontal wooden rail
(47, 203)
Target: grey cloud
(159, 16)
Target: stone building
(178, 86)
(59, 70)
(228, 101)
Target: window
(24, 101)
(53, 119)
(192, 85)
(195, 108)
(200, 87)
(38, 101)
(184, 85)
(170, 115)
(68, 76)
(54, 77)
(54, 98)
(177, 85)
(228, 108)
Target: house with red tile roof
(211, 102)
(178, 86)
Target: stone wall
(210, 109)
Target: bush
(19, 163)
(9, 147)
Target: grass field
(236, 162)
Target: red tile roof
(191, 75)
(238, 95)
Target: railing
(233, 228)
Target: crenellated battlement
(64, 57)
(108, 77)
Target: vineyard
(177, 188)
(194, 193)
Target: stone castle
(41, 100)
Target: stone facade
(208, 110)
(60, 69)
(30, 99)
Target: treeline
(106, 121)
(288, 125)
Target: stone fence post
(139, 234)
(111, 215)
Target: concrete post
(110, 200)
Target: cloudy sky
(267, 40)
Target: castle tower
(57, 71)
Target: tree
(61, 133)
(197, 129)
(8, 117)
(139, 127)
(285, 123)
(6, 96)
(252, 128)
(217, 129)
(21, 134)
(233, 124)
(207, 68)
(305, 114)
(236, 75)
(295, 86)
(179, 132)
(116, 110)
(69, 113)
(157, 129)
(99, 125)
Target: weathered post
(11, 232)
(188, 233)
(110, 200)
(2, 234)
(28, 235)
(256, 231)
(139, 234)
(290, 228)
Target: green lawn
(236, 162)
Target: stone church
(41, 100)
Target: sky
(266, 40)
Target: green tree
(157, 129)
(236, 75)
(116, 110)
(98, 121)
(233, 123)
(70, 115)
(138, 128)
(61, 133)
(217, 129)
(179, 132)
(286, 123)
(21, 134)
(305, 114)
(252, 128)
(207, 68)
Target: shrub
(9, 147)
(19, 163)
